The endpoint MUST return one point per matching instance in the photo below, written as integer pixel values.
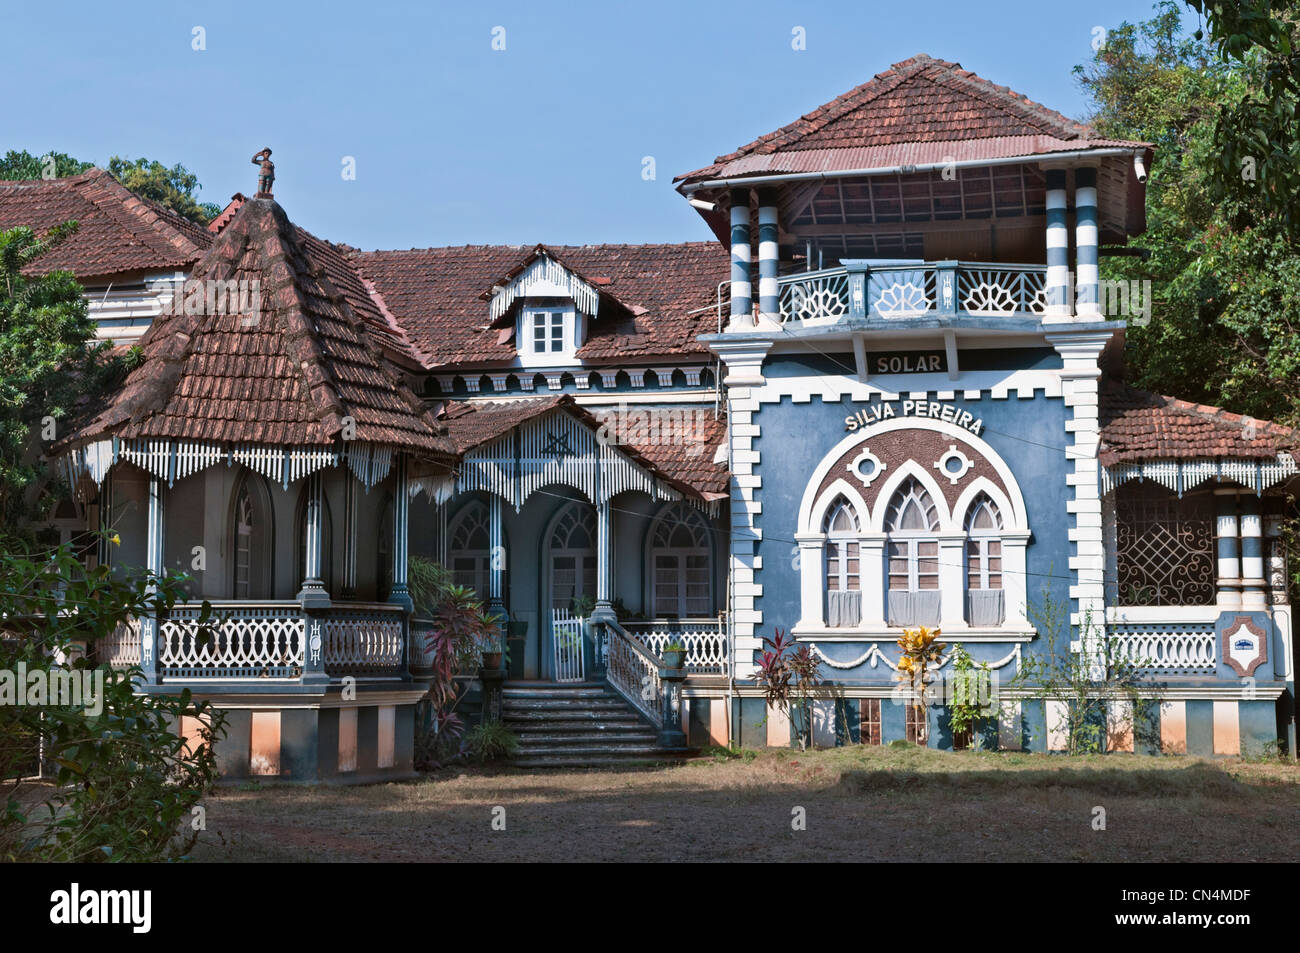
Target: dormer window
(548, 327)
(549, 332)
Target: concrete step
(607, 747)
(607, 726)
(563, 704)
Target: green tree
(173, 188)
(1223, 270)
(21, 164)
(1256, 136)
(49, 366)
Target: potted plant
(674, 655)
(491, 642)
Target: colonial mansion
(889, 395)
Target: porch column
(1252, 554)
(769, 307)
(1086, 276)
(742, 304)
(1058, 248)
(104, 547)
(1229, 576)
(313, 594)
(349, 586)
(496, 557)
(604, 563)
(401, 514)
(154, 562)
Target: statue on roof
(266, 174)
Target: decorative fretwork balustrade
(121, 649)
(938, 289)
(363, 639)
(633, 670)
(1166, 648)
(238, 640)
(705, 641)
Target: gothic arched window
(681, 583)
(912, 523)
(843, 564)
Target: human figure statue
(266, 175)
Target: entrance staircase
(576, 725)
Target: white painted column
(812, 556)
(496, 555)
(154, 559)
(604, 560)
(872, 552)
(1015, 581)
(401, 532)
(313, 584)
(952, 583)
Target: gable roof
(663, 297)
(677, 453)
(918, 111)
(118, 233)
(1138, 426)
(287, 375)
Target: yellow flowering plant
(921, 649)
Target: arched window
(573, 556)
(251, 535)
(682, 568)
(843, 564)
(912, 523)
(984, 601)
(469, 552)
(326, 541)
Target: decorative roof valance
(544, 277)
(1183, 475)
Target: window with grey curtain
(912, 523)
(843, 565)
(985, 605)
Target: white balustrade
(121, 648)
(238, 640)
(363, 639)
(1171, 649)
(632, 669)
(705, 641)
(566, 636)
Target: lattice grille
(1168, 648)
(1165, 548)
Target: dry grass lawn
(861, 804)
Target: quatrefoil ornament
(953, 464)
(866, 466)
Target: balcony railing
(924, 289)
(1173, 648)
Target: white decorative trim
(1179, 476)
(544, 276)
(874, 656)
(953, 453)
(878, 467)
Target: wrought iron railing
(632, 669)
(705, 641)
(566, 637)
(974, 289)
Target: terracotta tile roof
(681, 453)
(920, 100)
(119, 231)
(435, 295)
(1139, 426)
(291, 376)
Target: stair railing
(632, 670)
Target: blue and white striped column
(349, 533)
(769, 306)
(1252, 554)
(1058, 249)
(1086, 277)
(154, 556)
(401, 530)
(496, 556)
(1228, 591)
(742, 295)
(313, 584)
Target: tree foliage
(1224, 268)
(49, 366)
(127, 783)
(173, 187)
(21, 164)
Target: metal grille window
(1165, 547)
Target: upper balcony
(858, 290)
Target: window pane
(995, 580)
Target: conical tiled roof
(920, 110)
(285, 373)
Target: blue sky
(455, 142)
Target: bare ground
(861, 804)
